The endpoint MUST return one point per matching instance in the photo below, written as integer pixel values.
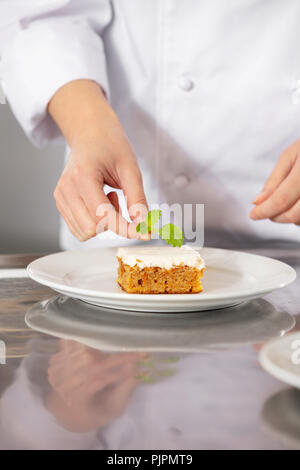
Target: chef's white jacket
(208, 91)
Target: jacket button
(186, 83)
(181, 181)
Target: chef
(201, 98)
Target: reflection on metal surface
(281, 416)
(2, 353)
(81, 398)
(163, 399)
(109, 329)
(16, 295)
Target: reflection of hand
(90, 388)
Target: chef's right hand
(100, 154)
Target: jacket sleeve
(43, 46)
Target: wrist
(81, 110)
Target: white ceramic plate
(281, 358)
(231, 277)
(109, 329)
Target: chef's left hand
(280, 197)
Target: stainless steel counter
(91, 380)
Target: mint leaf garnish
(153, 217)
(172, 235)
(142, 227)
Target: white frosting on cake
(160, 256)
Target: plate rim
(187, 298)
(276, 371)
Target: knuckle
(56, 193)
(88, 232)
(76, 173)
(282, 200)
(64, 182)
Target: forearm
(100, 154)
(79, 109)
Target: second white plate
(281, 358)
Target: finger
(71, 346)
(129, 371)
(100, 206)
(68, 218)
(265, 193)
(292, 216)
(97, 383)
(280, 172)
(283, 198)
(91, 191)
(117, 360)
(89, 362)
(112, 220)
(121, 394)
(132, 186)
(106, 216)
(81, 215)
(71, 379)
(138, 212)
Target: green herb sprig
(169, 232)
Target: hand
(90, 388)
(280, 198)
(100, 154)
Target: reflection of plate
(281, 414)
(109, 329)
(280, 357)
(231, 277)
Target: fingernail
(259, 196)
(256, 199)
(253, 215)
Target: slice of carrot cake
(160, 270)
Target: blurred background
(28, 216)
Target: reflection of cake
(160, 270)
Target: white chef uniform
(208, 91)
